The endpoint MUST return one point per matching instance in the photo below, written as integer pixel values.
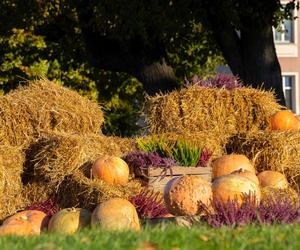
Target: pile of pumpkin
(233, 175)
(113, 214)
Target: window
(285, 33)
(289, 90)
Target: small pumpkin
(25, 223)
(246, 173)
(283, 120)
(116, 214)
(69, 220)
(227, 164)
(273, 179)
(234, 187)
(111, 169)
(184, 195)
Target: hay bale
(63, 161)
(11, 167)
(269, 194)
(82, 191)
(43, 105)
(270, 150)
(212, 141)
(198, 108)
(34, 192)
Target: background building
(287, 48)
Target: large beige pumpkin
(116, 214)
(232, 186)
(184, 195)
(273, 179)
(246, 173)
(226, 164)
(69, 220)
(25, 223)
(111, 169)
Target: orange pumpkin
(233, 186)
(283, 120)
(226, 164)
(116, 214)
(25, 223)
(273, 179)
(111, 169)
(69, 220)
(248, 174)
(184, 195)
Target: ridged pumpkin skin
(248, 174)
(69, 220)
(116, 214)
(273, 179)
(25, 223)
(232, 186)
(111, 169)
(284, 120)
(226, 164)
(184, 195)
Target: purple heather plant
(275, 210)
(204, 158)
(142, 161)
(49, 206)
(149, 204)
(227, 81)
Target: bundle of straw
(197, 108)
(43, 105)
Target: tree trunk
(260, 63)
(158, 76)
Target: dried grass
(44, 105)
(198, 108)
(63, 161)
(11, 167)
(270, 150)
(270, 194)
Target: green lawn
(165, 237)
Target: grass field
(165, 237)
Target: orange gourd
(226, 164)
(284, 120)
(25, 223)
(233, 186)
(184, 195)
(111, 169)
(116, 214)
(273, 179)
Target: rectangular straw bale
(11, 168)
(44, 105)
(197, 108)
(270, 150)
(79, 190)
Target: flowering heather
(149, 204)
(270, 211)
(49, 207)
(142, 161)
(227, 81)
(204, 158)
